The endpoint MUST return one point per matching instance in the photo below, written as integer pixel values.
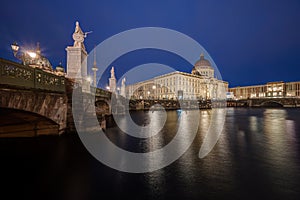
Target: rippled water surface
(256, 157)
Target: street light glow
(89, 79)
(31, 54)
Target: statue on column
(123, 87)
(78, 37)
(112, 81)
(112, 72)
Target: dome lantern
(203, 67)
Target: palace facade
(199, 84)
(269, 90)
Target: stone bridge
(34, 102)
(265, 102)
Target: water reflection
(256, 156)
(256, 150)
(279, 146)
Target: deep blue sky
(251, 42)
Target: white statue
(78, 36)
(112, 72)
(123, 88)
(123, 81)
(112, 81)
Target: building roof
(202, 63)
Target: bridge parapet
(16, 75)
(101, 93)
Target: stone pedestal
(77, 66)
(76, 63)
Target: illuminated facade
(269, 90)
(199, 84)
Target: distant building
(199, 84)
(269, 90)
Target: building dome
(41, 62)
(37, 60)
(203, 68)
(202, 63)
(59, 70)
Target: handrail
(23, 76)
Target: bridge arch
(51, 106)
(20, 123)
(102, 106)
(271, 103)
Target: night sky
(251, 42)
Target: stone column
(77, 59)
(112, 81)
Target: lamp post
(15, 47)
(154, 91)
(24, 57)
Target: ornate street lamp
(15, 47)
(32, 58)
(22, 56)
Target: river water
(256, 157)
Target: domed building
(59, 70)
(199, 84)
(203, 68)
(37, 60)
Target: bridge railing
(101, 93)
(22, 76)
